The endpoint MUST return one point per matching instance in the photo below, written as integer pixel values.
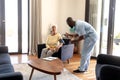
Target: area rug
(37, 75)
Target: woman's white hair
(52, 26)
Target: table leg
(55, 77)
(31, 74)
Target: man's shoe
(78, 71)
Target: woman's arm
(47, 46)
(59, 46)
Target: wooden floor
(74, 63)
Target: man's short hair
(69, 19)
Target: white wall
(73, 8)
(56, 12)
(49, 16)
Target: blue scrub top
(85, 29)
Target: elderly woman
(53, 43)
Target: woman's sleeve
(60, 39)
(47, 46)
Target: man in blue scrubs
(83, 30)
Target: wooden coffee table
(53, 67)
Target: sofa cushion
(110, 72)
(6, 68)
(4, 58)
(3, 49)
(98, 68)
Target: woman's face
(53, 28)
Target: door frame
(2, 22)
(111, 27)
(19, 26)
(111, 17)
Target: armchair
(108, 67)
(64, 53)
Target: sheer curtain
(95, 20)
(93, 12)
(35, 26)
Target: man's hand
(74, 40)
(66, 34)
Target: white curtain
(93, 19)
(93, 12)
(35, 26)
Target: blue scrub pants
(88, 46)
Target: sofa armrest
(66, 41)
(11, 76)
(39, 49)
(110, 72)
(67, 52)
(108, 59)
(3, 49)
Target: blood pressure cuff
(61, 41)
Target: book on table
(50, 58)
